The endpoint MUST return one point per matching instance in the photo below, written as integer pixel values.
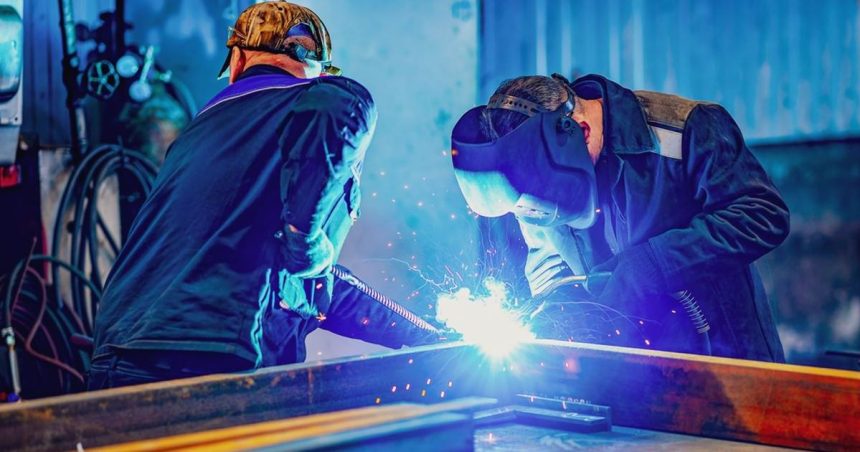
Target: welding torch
(595, 283)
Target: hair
(547, 92)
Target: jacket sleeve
(742, 214)
(322, 147)
(359, 312)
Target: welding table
(452, 397)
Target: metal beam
(766, 403)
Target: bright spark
(487, 321)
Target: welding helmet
(268, 26)
(541, 171)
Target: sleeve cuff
(307, 255)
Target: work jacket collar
(263, 69)
(625, 129)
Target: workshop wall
(785, 69)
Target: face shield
(541, 171)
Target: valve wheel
(102, 79)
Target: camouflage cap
(268, 26)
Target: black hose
(114, 246)
(81, 196)
(66, 197)
(7, 300)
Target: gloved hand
(306, 255)
(358, 311)
(631, 276)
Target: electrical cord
(28, 343)
(49, 331)
(44, 333)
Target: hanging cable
(80, 197)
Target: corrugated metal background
(786, 69)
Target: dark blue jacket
(232, 252)
(684, 205)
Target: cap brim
(225, 68)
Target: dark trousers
(125, 367)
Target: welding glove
(307, 255)
(630, 277)
(605, 309)
(360, 312)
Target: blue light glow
(489, 321)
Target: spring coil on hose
(688, 301)
(382, 299)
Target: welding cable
(81, 197)
(75, 272)
(71, 186)
(694, 312)
(28, 343)
(25, 317)
(52, 334)
(86, 210)
(50, 330)
(384, 300)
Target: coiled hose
(384, 300)
(694, 312)
(81, 195)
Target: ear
(237, 63)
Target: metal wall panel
(786, 69)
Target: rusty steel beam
(773, 404)
(217, 401)
(765, 403)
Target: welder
(231, 261)
(642, 212)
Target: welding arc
(384, 300)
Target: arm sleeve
(742, 214)
(359, 312)
(322, 145)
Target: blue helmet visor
(541, 171)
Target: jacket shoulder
(666, 110)
(345, 86)
(668, 116)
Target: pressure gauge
(127, 65)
